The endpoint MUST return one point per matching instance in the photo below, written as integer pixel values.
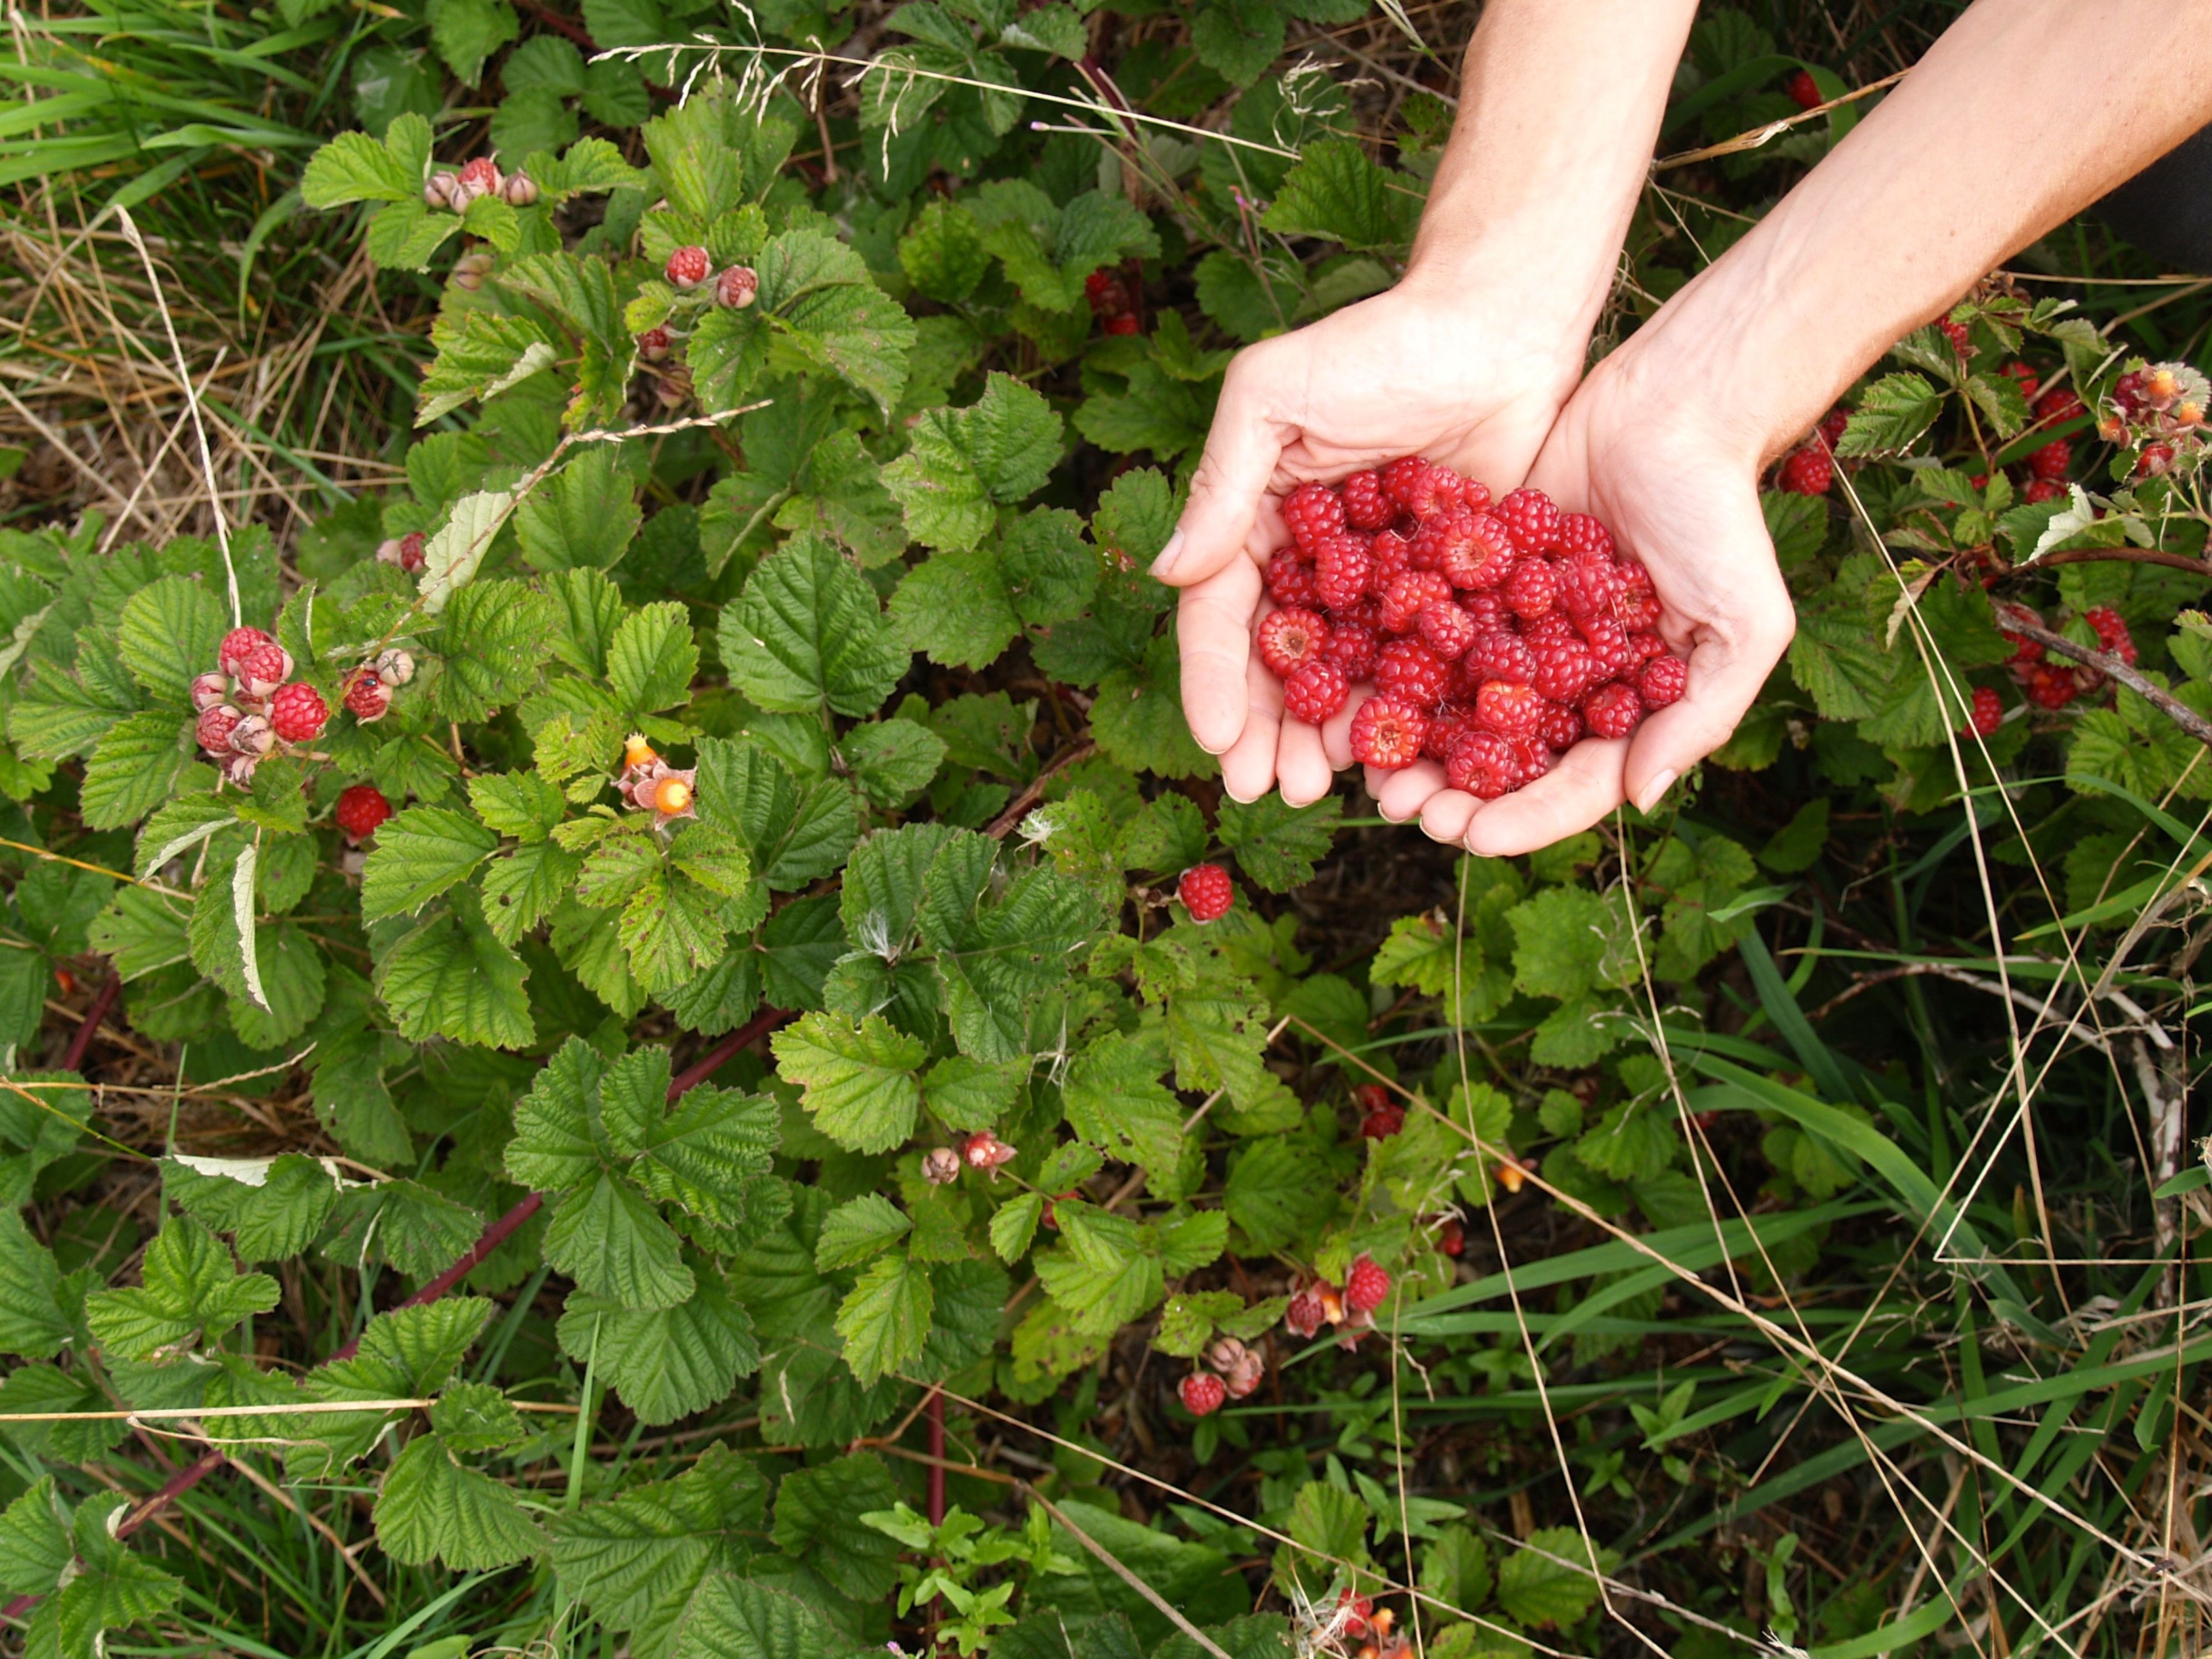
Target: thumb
(1242, 448)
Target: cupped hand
(1429, 368)
(1679, 491)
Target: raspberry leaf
(1115, 1102)
(892, 760)
(818, 1521)
(1894, 413)
(1278, 845)
(964, 461)
(418, 855)
(1551, 1579)
(665, 1363)
(355, 168)
(271, 1208)
(432, 1508)
(451, 557)
(188, 1285)
(33, 1321)
(1336, 192)
(452, 976)
(857, 1081)
(858, 1229)
(886, 1317)
(583, 517)
(652, 658)
(480, 354)
(796, 835)
(135, 767)
(807, 632)
(169, 633)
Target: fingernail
(1653, 790)
(1169, 554)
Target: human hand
(1428, 368)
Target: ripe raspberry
(2050, 686)
(1409, 670)
(1394, 557)
(1489, 615)
(1483, 764)
(1589, 583)
(1125, 324)
(412, 555)
(1352, 648)
(688, 267)
(1289, 580)
(208, 689)
(1612, 711)
(1342, 569)
(1801, 90)
(1291, 638)
(1387, 733)
(1611, 654)
(1368, 1095)
(1206, 892)
(2024, 376)
(1366, 505)
(1475, 551)
(2154, 459)
(1314, 513)
(2112, 632)
(1663, 681)
(1500, 656)
(1646, 645)
(1100, 287)
(1354, 1613)
(1452, 717)
(1451, 1237)
(1511, 711)
(261, 668)
(2128, 391)
(1404, 599)
(1562, 670)
(1958, 335)
(1532, 757)
(2025, 650)
(2053, 461)
(1410, 481)
(735, 286)
(1638, 609)
(215, 727)
(235, 644)
(368, 697)
(1987, 713)
(1530, 518)
(2042, 490)
(1532, 587)
(1563, 726)
(1446, 629)
(1806, 471)
(1832, 424)
(362, 807)
(1365, 1285)
(1306, 1311)
(1382, 1121)
(2060, 403)
(985, 1151)
(1202, 1392)
(298, 713)
(1315, 691)
(1455, 492)
(1581, 533)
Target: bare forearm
(1952, 173)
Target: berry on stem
(1202, 1393)
(1987, 712)
(688, 267)
(362, 807)
(298, 713)
(1801, 90)
(1806, 471)
(1365, 1285)
(1206, 892)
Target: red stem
(80, 1045)
(933, 1412)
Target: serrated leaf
(480, 354)
(431, 1507)
(169, 633)
(1336, 192)
(652, 657)
(354, 167)
(665, 1363)
(885, 1319)
(807, 632)
(451, 977)
(188, 1284)
(1891, 414)
(818, 1521)
(858, 1081)
(1538, 1589)
(1115, 1100)
(417, 854)
(132, 769)
(451, 556)
(583, 518)
(857, 1229)
(964, 461)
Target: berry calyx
(1207, 892)
(688, 267)
(1365, 1285)
(362, 807)
(298, 713)
(1202, 1393)
(1987, 712)
(940, 1166)
(208, 689)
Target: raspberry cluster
(2158, 411)
(1495, 633)
(690, 272)
(1352, 1308)
(1113, 301)
(2048, 684)
(249, 705)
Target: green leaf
(354, 167)
(467, 32)
(34, 1540)
(33, 1322)
(610, 1238)
(859, 1082)
(1891, 414)
(818, 1521)
(857, 1229)
(885, 1319)
(480, 354)
(665, 1363)
(963, 461)
(652, 657)
(451, 556)
(1277, 845)
(795, 835)
(734, 1618)
(418, 855)
(892, 760)
(807, 631)
(169, 633)
(451, 977)
(1115, 1100)
(497, 636)
(1537, 1589)
(584, 517)
(1336, 192)
(272, 1207)
(1568, 940)
(111, 1589)
(133, 768)
(188, 1285)
(433, 1508)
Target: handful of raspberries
(1495, 633)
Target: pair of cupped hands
(1481, 384)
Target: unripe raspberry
(1352, 648)
(1123, 323)
(1532, 587)
(235, 644)
(2059, 403)
(1563, 726)
(1499, 655)
(262, 669)
(2043, 490)
(251, 734)
(671, 797)
(1342, 569)
(1387, 733)
(985, 1151)
(1289, 580)
(1482, 763)
(1959, 335)
(2156, 458)
(1802, 89)
(655, 343)
(735, 287)
(1581, 533)
(1314, 513)
(472, 268)
(1511, 711)
(477, 178)
(297, 713)
(1451, 1237)
(368, 697)
(940, 1166)
(1612, 711)
(362, 807)
(1478, 553)
(1410, 481)
(2053, 461)
(1366, 506)
(1314, 691)
(438, 190)
(1446, 629)
(1246, 1375)
(1291, 638)
(1987, 713)
(2112, 632)
(637, 753)
(1404, 599)
(1202, 1393)
(1530, 518)
(520, 190)
(1365, 1285)
(394, 666)
(688, 267)
(1563, 669)
(2160, 386)
(209, 689)
(2188, 414)
(1409, 670)
(1806, 471)
(1308, 1308)
(214, 727)
(1663, 681)
(1206, 892)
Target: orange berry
(671, 796)
(636, 751)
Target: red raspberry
(1342, 570)
(1611, 654)
(1589, 583)
(1366, 506)
(1123, 324)
(1451, 1237)
(1382, 1121)
(1958, 335)
(2060, 403)
(1410, 481)
(2050, 686)
(1365, 1285)
(368, 697)
(1206, 892)
(1452, 717)
(1530, 518)
(985, 1151)
(1806, 471)
(2025, 650)
(412, 555)
(1455, 492)
(1352, 648)
(214, 727)
(1562, 670)
(1489, 615)
(1563, 726)
(263, 668)
(1483, 764)
(2112, 632)
(1404, 599)
(1202, 1392)
(298, 713)
(2053, 461)
(2024, 376)
(1511, 711)
(655, 343)
(2043, 490)
(1499, 655)
(1408, 670)
(2128, 391)
(1639, 602)
(1306, 1312)
(1370, 1096)
(2154, 459)
(735, 286)
(1289, 580)
(688, 267)
(1532, 757)
(362, 807)
(1663, 681)
(1801, 90)
(1581, 533)
(1477, 554)
(1355, 1613)
(1290, 638)
(1387, 733)
(1645, 646)
(1532, 588)
(1314, 691)
(208, 689)
(1394, 557)
(1987, 713)
(1100, 287)
(1446, 629)
(480, 176)
(1612, 711)
(235, 644)
(1314, 513)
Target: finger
(1247, 769)
(1405, 792)
(1573, 795)
(1242, 448)
(1446, 814)
(1213, 627)
(1728, 668)
(1336, 730)
(1302, 770)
